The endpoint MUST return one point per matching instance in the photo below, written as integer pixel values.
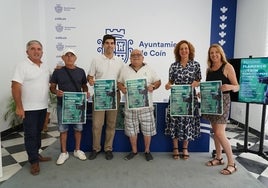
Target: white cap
(67, 50)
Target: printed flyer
(105, 97)
(74, 105)
(181, 100)
(211, 97)
(137, 93)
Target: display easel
(244, 148)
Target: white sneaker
(62, 158)
(80, 155)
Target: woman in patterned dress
(183, 71)
(220, 69)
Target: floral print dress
(184, 127)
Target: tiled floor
(14, 155)
(254, 163)
(13, 152)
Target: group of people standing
(186, 128)
(32, 81)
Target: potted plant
(10, 114)
(52, 105)
(14, 120)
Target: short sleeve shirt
(64, 82)
(35, 84)
(144, 72)
(105, 68)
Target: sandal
(185, 156)
(176, 153)
(230, 169)
(215, 162)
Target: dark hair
(177, 50)
(105, 37)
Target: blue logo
(122, 46)
(60, 46)
(59, 28)
(58, 8)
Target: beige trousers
(98, 122)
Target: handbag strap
(71, 78)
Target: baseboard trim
(250, 129)
(9, 131)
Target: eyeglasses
(135, 55)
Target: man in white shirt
(140, 118)
(30, 91)
(105, 66)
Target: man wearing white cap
(69, 78)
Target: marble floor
(13, 151)
(14, 155)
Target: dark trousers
(33, 125)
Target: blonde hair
(223, 56)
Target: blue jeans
(65, 127)
(33, 125)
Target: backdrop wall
(137, 24)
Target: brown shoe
(44, 159)
(35, 169)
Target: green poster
(181, 100)
(137, 93)
(253, 80)
(105, 97)
(211, 97)
(74, 106)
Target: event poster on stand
(105, 97)
(137, 93)
(181, 100)
(253, 80)
(74, 106)
(211, 97)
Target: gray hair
(33, 42)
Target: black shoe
(148, 156)
(131, 155)
(109, 155)
(93, 155)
